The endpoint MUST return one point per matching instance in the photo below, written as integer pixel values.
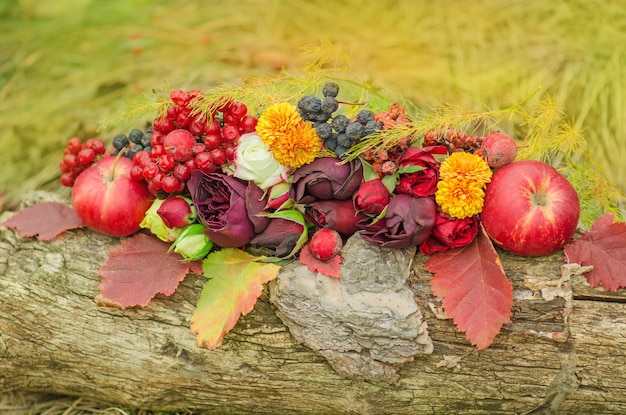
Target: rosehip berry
(325, 244)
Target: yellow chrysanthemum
(460, 198)
(276, 121)
(465, 167)
(296, 147)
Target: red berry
(181, 172)
(142, 157)
(163, 125)
(224, 104)
(183, 120)
(157, 150)
(238, 110)
(198, 148)
(70, 160)
(202, 160)
(230, 133)
(229, 118)
(325, 244)
(67, 179)
(498, 150)
(172, 112)
(179, 144)
(74, 145)
(213, 127)
(96, 145)
(166, 162)
(219, 156)
(85, 156)
(231, 152)
(136, 173)
(170, 184)
(212, 141)
(150, 170)
(248, 123)
(196, 127)
(157, 181)
(180, 97)
(156, 138)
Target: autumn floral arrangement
(234, 182)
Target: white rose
(254, 161)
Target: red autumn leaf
(604, 247)
(46, 219)
(476, 293)
(138, 269)
(331, 267)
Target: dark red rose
(220, 202)
(326, 178)
(371, 197)
(422, 182)
(450, 233)
(280, 236)
(408, 221)
(338, 215)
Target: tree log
(562, 352)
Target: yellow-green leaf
(235, 283)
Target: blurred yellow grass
(65, 68)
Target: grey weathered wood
(563, 351)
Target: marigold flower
(465, 167)
(297, 147)
(460, 198)
(276, 121)
(292, 141)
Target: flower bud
(177, 212)
(192, 243)
(279, 197)
(371, 197)
(153, 222)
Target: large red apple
(108, 200)
(530, 208)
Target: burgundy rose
(408, 221)
(220, 202)
(280, 236)
(176, 212)
(422, 182)
(450, 233)
(338, 215)
(326, 178)
(371, 197)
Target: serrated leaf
(476, 293)
(138, 269)
(235, 283)
(604, 247)
(330, 268)
(45, 219)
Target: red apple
(530, 208)
(108, 200)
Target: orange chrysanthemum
(277, 120)
(297, 147)
(460, 198)
(465, 166)
(462, 179)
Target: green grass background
(65, 65)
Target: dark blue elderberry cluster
(339, 133)
(135, 141)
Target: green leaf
(368, 171)
(235, 283)
(409, 169)
(390, 181)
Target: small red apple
(108, 200)
(530, 208)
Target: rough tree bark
(562, 352)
